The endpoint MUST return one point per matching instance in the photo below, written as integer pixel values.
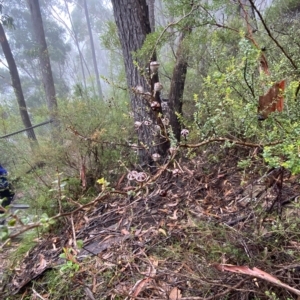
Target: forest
(151, 149)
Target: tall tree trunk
(44, 59)
(177, 86)
(16, 83)
(93, 50)
(132, 20)
(77, 45)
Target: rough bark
(44, 59)
(133, 24)
(16, 83)
(93, 50)
(177, 87)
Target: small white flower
(155, 156)
(132, 175)
(141, 177)
(131, 114)
(148, 122)
(184, 132)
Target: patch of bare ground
(209, 230)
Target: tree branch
(271, 36)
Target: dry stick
(73, 232)
(37, 294)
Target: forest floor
(209, 230)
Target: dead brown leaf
(174, 217)
(41, 265)
(256, 273)
(175, 294)
(125, 231)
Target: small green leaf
(79, 243)
(11, 222)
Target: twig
(113, 84)
(37, 294)
(172, 24)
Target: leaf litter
(205, 232)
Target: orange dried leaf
(273, 100)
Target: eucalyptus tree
(44, 59)
(23, 44)
(88, 20)
(15, 78)
(86, 12)
(74, 35)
